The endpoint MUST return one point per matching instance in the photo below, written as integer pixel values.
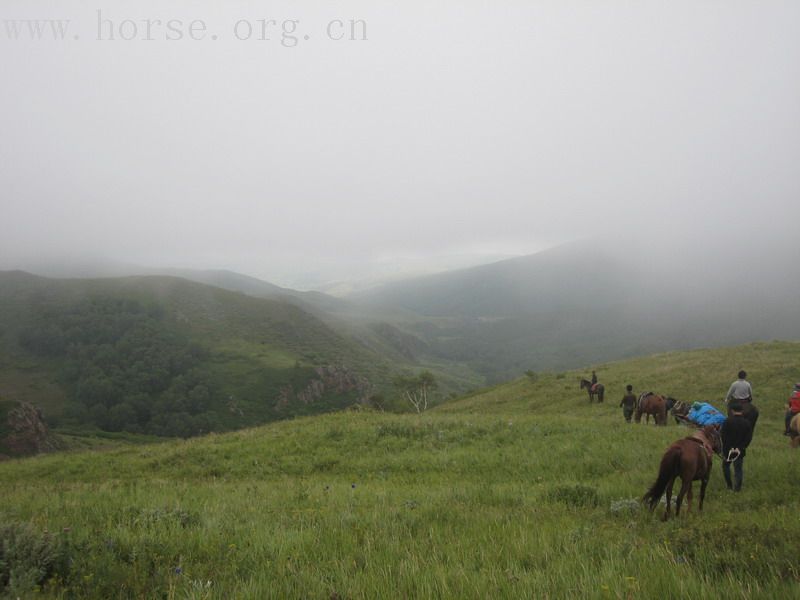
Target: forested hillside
(166, 356)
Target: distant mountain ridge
(588, 302)
(571, 305)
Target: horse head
(679, 408)
(712, 434)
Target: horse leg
(669, 497)
(689, 499)
(685, 487)
(703, 484)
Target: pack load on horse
(652, 404)
(690, 459)
(696, 414)
(594, 389)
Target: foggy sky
(464, 129)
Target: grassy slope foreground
(522, 491)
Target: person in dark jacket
(736, 435)
(628, 403)
(594, 378)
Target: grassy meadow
(521, 491)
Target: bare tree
(416, 389)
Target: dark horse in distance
(596, 389)
(689, 459)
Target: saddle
(594, 387)
(701, 439)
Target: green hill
(521, 491)
(167, 356)
(600, 300)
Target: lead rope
(737, 452)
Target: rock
(329, 379)
(23, 431)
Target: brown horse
(794, 431)
(596, 389)
(689, 459)
(652, 404)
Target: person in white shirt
(740, 390)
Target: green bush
(574, 495)
(30, 558)
(532, 375)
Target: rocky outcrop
(329, 379)
(23, 431)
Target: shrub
(151, 517)
(532, 375)
(30, 558)
(574, 495)
(625, 506)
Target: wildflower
(178, 570)
(353, 485)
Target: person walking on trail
(740, 390)
(736, 436)
(792, 407)
(628, 403)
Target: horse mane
(712, 435)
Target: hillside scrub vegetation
(168, 357)
(521, 491)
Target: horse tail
(668, 469)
